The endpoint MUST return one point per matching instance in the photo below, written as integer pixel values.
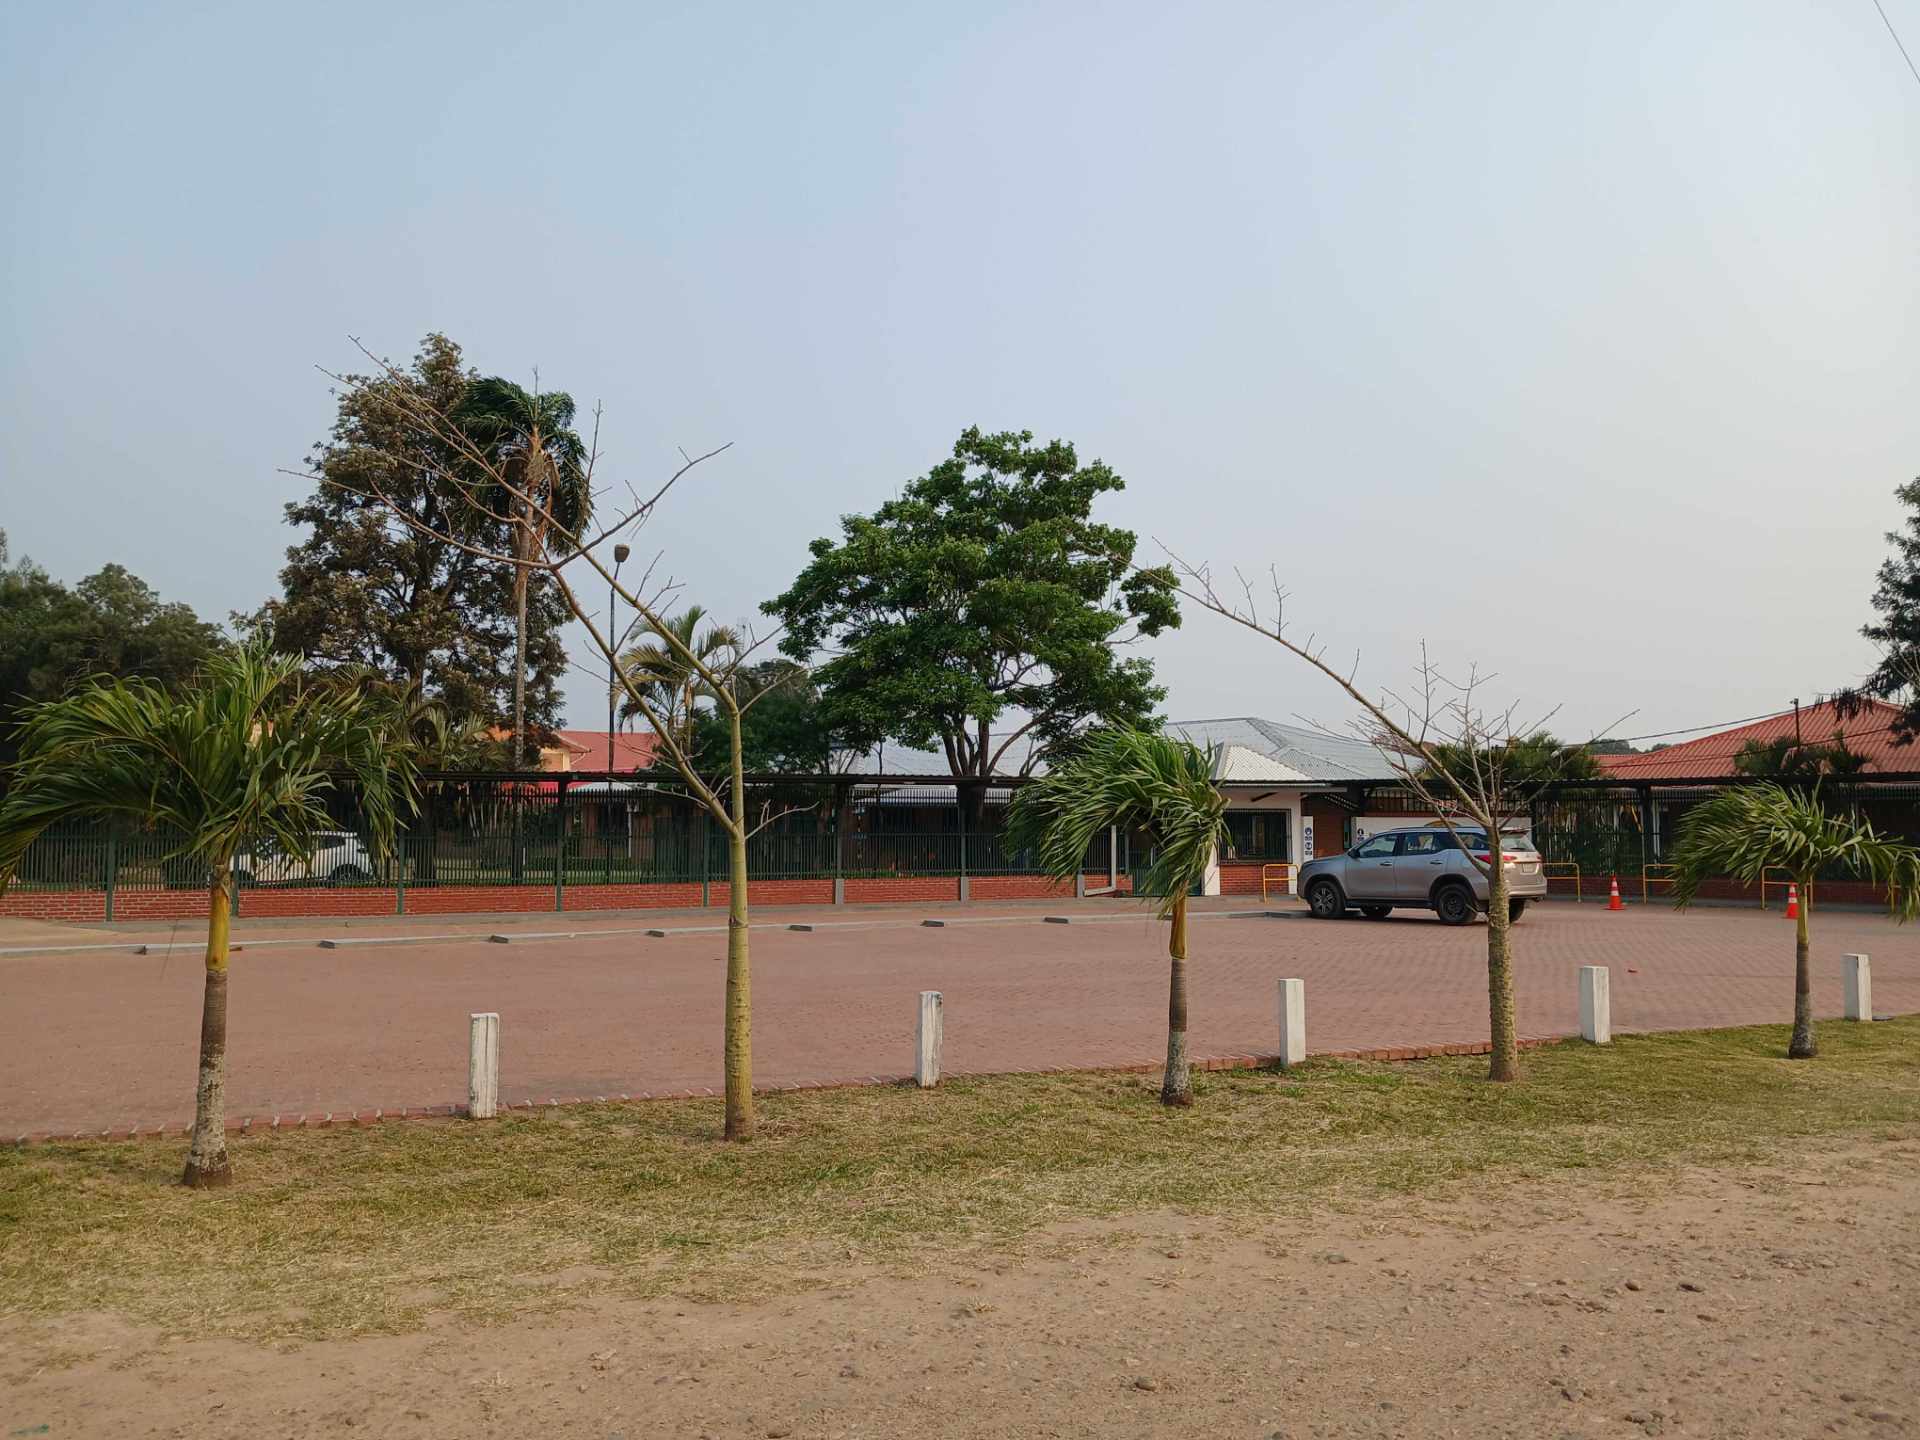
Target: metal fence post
(965, 888)
(560, 849)
(113, 865)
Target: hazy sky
(1580, 340)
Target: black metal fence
(539, 833)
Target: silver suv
(1420, 868)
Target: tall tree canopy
(539, 481)
(784, 733)
(1525, 762)
(365, 587)
(1897, 632)
(981, 606)
(664, 670)
(111, 623)
(1798, 764)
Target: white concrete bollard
(1856, 978)
(483, 1066)
(928, 1037)
(1293, 1022)
(1596, 1004)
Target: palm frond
(1747, 831)
(1135, 780)
(249, 751)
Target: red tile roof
(1869, 733)
(587, 749)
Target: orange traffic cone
(1793, 901)
(1613, 893)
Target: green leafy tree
(384, 579)
(1526, 763)
(982, 606)
(1751, 830)
(1796, 763)
(112, 622)
(785, 731)
(1897, 631)
(542, 490)
(1142, 781)
(1610, 747)
(654, 664)
(248, 753)
(568, 559)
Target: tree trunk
(1504, 1062)
(1177, 1087)
(207, 1164)
(739, 1040)
(1802, 1045)
(519, 839)
(520, 665)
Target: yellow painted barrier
(1648, 878)
(1281, 871)
(1547, 867)
(1766, 879)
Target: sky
(1578, 342)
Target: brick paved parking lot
(93, 1040)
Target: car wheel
(1515, 909)
(1376, 912)
(1454, 905)
(348, 875)
(1325, 900)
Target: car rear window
(1509, 844)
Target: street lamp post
(620, 553)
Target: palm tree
(1747, 831)
(667, 675)
(249, 752)
(528, 440)
(1146, 782)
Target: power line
(1896, 40)
(1733, 747)
(1697, 729)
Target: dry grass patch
(338, 1232)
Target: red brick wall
(54, 904)
(902, 887)
(1329, 825)
(1020, 887)
(1241, 878)
(78, 905)
(628, 897)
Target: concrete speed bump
(343, 941)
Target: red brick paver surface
(91, 1041)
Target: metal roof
(1869, 734)
(1251, 751)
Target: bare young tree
(1443, 746)
(570, 556)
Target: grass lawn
(339, 1232)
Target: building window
(1258, 835)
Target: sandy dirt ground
(1776, 1301)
